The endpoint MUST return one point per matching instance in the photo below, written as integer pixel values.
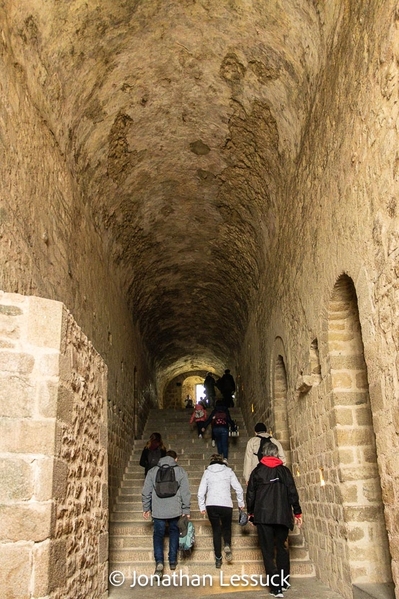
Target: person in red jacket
(198, 417)
(273, 505)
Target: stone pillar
(53, 454)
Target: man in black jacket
(273, 503)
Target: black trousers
(220, 518)
(273, 540)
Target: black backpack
(263, 441)
(154, 455)
(166, 484)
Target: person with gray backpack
(166, 496)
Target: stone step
(193, 469)
(299, 569)
(202, 541)
(131, 536)
(245, 548)
(377, 590)
(194, 481)
(201, 553)
(128, 513)
(137, 532)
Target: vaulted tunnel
(180, 122)
(191, 180)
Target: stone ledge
(376, 590)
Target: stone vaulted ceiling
(180, 120)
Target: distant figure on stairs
(272, 504)
(198, 417)
(152, 452)
(227, 387)
(251, 459)
(166, 511)
(189, 402)
(209, 386)
(214, 498)
(221, 420)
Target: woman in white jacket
(214, 498)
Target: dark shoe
(218, 562)
(278, 593)
(286, 587)
(159, 570)
(172, 565)
(228, 554)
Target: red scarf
(271, 461)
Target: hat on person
(260, 427)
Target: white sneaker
(228, 554)
(200, 436)
(278, 593)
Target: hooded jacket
(200, 408)
(272, 496)
(251, 458)
(215, 487)
(166, 507)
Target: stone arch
(178, 388)
(278, 415)
(355, 448)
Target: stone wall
(52, 247)
(53, 454)
(339, 216)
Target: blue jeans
(159, 533)
(221, 434)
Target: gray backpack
(166, 484)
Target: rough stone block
(355, 534)
(65, 402)
(345, 456)
(362, 514)
(347, 362)
(359, 436)
(57, 568)
(44, 322)
(17, 479)
(361, 380)
(60, 479)
(26, 522)
(103, 548)
(342, 380)
(362, 472)
(349, 493)
(27, 436)
(344, 416)
(348, 398)
(47, 395)
(16, 396)
(47, 363)
(16, 362)
(41, 559)
(363, 416)
(44, 478)
(9, 325)
(15, 570)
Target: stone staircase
(131, 536)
